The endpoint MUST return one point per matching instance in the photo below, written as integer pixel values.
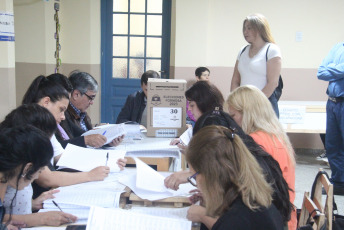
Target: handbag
(337, 220)
(278, 90)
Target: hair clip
(229, 135)
(216, 110)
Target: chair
(326, 207)
(310, 209)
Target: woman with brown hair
(232, 183)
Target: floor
(306, 170)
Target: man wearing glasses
(85, 89)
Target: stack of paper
(109, 219)
(86, 159)
(110, 131)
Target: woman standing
(252, 111)
(258, 63)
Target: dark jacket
(73, 129)
(133, 108)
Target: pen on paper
(104, 132)
(107, 158)
(70, 221)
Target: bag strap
(315, 183)
(266, 55)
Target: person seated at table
(252, 110)
(201, 74)
(65, 137)
(76, 122)
(135, 109)
(270, 166)
(234, 189)
(202, 97)
(24, 152)
(54, 97)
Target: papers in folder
(109, 219)
(110, 131)
(149, 184)
(86, 159)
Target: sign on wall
(6, 26)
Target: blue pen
(104, 132)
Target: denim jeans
(335, 140)
(274, 102)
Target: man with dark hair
(134, 108)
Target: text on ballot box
(292, 114)
(166, 107)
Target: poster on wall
(6, 26)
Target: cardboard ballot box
(166, 107)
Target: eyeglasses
(91, 98)
(192, 179)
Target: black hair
(270, 166)
(148, 74)
(43, 87)
(32, 114)
(62, 80)
(200, 70)
(18, 147)
(206, 95)
(83, 81)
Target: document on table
(86, 159)
(154, 189)
(110, 131)
(179, 213)
(108, 219)
(186, 136)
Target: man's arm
(329, 70)
(126, 110)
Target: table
(303, 116)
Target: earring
(23, 175)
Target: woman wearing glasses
(234, 189)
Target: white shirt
(22, 203)
(253, 70)
(58, 149)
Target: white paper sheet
(179, 213)
(186, 136)
(148, 179)
(109, 219)
(110, 131)
(86, 159)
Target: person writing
(259, 63)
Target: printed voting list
(110, 131)
(86, 159)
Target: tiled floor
(306, 170)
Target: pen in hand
(107, 158)
(70, 221)
(104, 132)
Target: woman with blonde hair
(249, 107)
(259, 63)
(232, 182)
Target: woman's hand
(116, 141)
(196, 197)
(196, 213)
(98, 173)
(56, 218)
(121, 163)
(175, 141)
(174, 180)
(38, 202)
(16, 225)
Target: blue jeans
(335, 140)
(274, 102)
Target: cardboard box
(166, 107)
